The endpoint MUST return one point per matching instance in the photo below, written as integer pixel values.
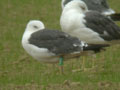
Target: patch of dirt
(66, 85)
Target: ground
(19, 71)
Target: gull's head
(77, 5)
(34, 25)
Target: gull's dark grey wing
(55, 41)
(97, 5)
(104, 26)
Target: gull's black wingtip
(115, 17)
(95, 47)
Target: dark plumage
(97, 5)
(104, 26)
(55, 41)
(96, 47)
(115, 17)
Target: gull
(89, 26)
(54, 46)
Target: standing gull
(53, 46)
(98, 5)
(89, 26)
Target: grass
(19, 71)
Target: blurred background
(19, 71)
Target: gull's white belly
(41, 54)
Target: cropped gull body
(89, 26)
(97, 5)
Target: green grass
(19, 71)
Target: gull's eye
(83, 8)
(36, 27)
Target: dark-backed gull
(89, 26)
(53, 46)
